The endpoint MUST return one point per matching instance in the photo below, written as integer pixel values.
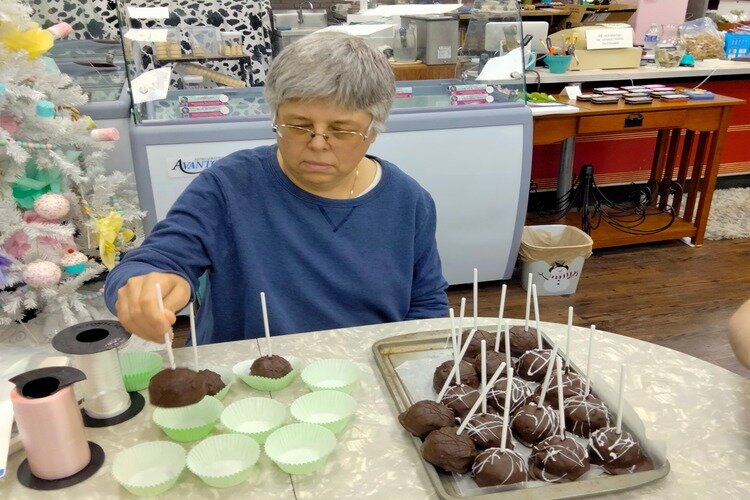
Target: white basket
(559, 277)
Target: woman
(334, 238)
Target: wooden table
(420, 71)
(689, 142)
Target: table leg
(565, 174)
(687, 150)
(657, 165)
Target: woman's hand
(739, 333)
(138, 307)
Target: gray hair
(336, 66)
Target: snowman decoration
(558, 279)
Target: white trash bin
(554, 255)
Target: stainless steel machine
(437, 37)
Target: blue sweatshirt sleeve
(180, 243)
(428, 297)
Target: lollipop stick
(265, 323)
(560, 406)
(456, 349)
(454, 370)
(506, 408)
(528, 303)
(536, 317)
(588, 361)
(548, 375)
(567, 338)
(193, 337)
(500, 315)
(476, 297)
(482, 396)
(168, 333)
(507, 343)
(461, 313)
(484, 373)
(618, 428)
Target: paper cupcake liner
(300, 448)
(266, 384)
(189, 423)
(224, 460)
(138, 368)
(149, 468)
(331, 374)
(331, 409)
(254, 417)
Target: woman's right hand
(138, 308)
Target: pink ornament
(60, 30)
(9, 123)
(52, 206)
(42, 274)
(105, 134)
(17, 245)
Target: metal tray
(391, 352)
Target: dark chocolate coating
(494, 360)
(520, 394)
(270, 367)
(213, 381)
(494, 467)
(460, 399)
(522, 340)
(425, 416)
(174, 388)
(558, 460)
(475, 346)
(532, 365)
(617, 453)
(532, 424)
(573, 385)
(485, 429)
(450, 451)
(585, 414)
(465, 370)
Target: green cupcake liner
(300, 448)
(149, 468)
(331, 409)
(266, 384)
(189, 423)
(255, 417)
(331, 374)
(224, 460)
(138, 368)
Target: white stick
(454, 340)
(588, 361)
(453, 370)
(536, 317)
(449, 339)
(484, 374)
(168, 333)
(500, 316)
(461, 313)
(88, 238)
(482, 396)
(528, 303)
(476, 297)
(618, 428)
(560, 406)
(548, 375)
(567, 338)
(506, 409)
(265, 323)
(507, 343)
(193, 336)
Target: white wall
(656, 11)
(725, 6)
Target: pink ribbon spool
(49, 421)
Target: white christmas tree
(63, 222)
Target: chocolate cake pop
(532, 424)
(585, 414)
(572, 384)
(172, 388)
(485, 429)
(494, 467)
(522, 340)
(494, 359)
(425, 416)
(450, 451)
(532, 365)
(460, 399)
(213, 381)
(617, 453)
(519, 395)
(465, 370)
(270, 367)
(476, 343)
(558, 460)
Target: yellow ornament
(34, 41)
(90, 123)
(107, 229)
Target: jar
(671, 47)
(231, 43)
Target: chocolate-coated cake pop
(520, 394)
(460, 399)
(213, 381)
(475, 346)
(425, 416)
(450, 451)
(174, 388)
(494, 467)
(532, 424)
(572, 383)
(485, 429)
(522, 340)
(585, 414)
(270, 367)
(532, 365)
(465, 370)
(494, 360)
(617, 453)
(558, 460)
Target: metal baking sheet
(392, 352)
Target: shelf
(192, 58)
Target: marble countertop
(700, 410)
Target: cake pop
(475, 342)
(213, 381)
(585, 414)
(572, 385)
(465, 370)
(425, 416)
(522, 340)
(485, 429)
(557, 460)
(448, 450)
(532, 423)
(617, 452)
(175, 387)
(494, 359)
(494, 467)
(532, 365)
(519, 395)
(272, 366)
(460, 399)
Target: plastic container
(149, 468)
(224, 460)
(231, 43)
(331, 409)
(300, 448)
(138, 368)
(192, 82)
(204, 41)
(255, 417)
(189, 423)
(651, 37)
(171, 48)
(331, 374)
(737, 45)
(557, 64)
(554, 255)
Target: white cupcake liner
(331, 374)
(255, 417)
(331, 409)
(224, 460)
(300, 448)
(149, 468)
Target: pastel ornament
(9, 124)
(73, 262)
(17, 245)
(42, 274)
(52, 206)
(105, 134)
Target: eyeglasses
(332, 137)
